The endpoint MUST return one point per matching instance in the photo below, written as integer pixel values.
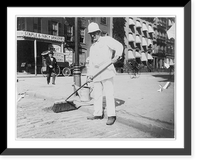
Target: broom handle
(87, 82)
(76, 91)
(101, 71)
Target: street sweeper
(103, 51)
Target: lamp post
(35, 56)
(77, 72)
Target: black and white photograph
(95, 77)
(96, 81)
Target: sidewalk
(138, 103)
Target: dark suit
(51, 71)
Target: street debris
(164, 87)
(167, 85)
(22, 95)
(161, 88)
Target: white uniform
(100, 56)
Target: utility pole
(77, 72)
(111, 26)
(35, 56)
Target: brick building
(146, 39)
(36, 34)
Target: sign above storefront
(40, 36)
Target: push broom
(65, 105)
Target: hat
(92, 27)
(51, 52)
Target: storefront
(30, 45)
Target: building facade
(37, 34)
(34, 36)
(147, 41)
(85, 39)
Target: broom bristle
(62, 106)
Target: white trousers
(107, 87)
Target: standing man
(51, 68)
(101, 54)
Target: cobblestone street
(37, 120)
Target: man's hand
(114, 60)
(89, 79)
(50, 66)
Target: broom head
(63, 106)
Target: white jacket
(101, 53)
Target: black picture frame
(4, 150)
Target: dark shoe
(53, 83)
(111, 120)
(94, 117)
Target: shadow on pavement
(166, 77)
(118, 102)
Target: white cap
(92, 27)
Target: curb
(154, 127)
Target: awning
(171, 32)
(138, 40)
(149, 42)
(130, 37)
(144, 42)
(171, 62)
(130, 54)
(131, 22)
(149, 56)
(45, 52)
(169, 22)
(137, 54)
(34, 35)
(144, 27)
(143, 58)
(138, 24)
(151, 29)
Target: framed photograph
(152, 81)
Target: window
(20, 23)
(103, 20)
(68, 30)
(53, 28)
(37, 24)
(82, 35)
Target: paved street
(37, 120)
(142, 111)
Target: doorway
(25, 56)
